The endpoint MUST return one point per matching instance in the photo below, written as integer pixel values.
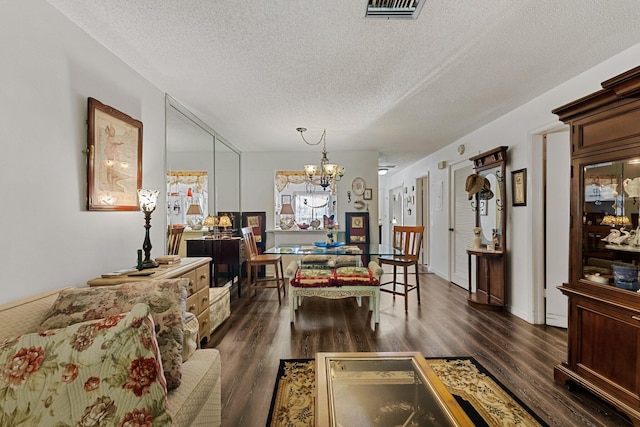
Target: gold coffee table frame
(421, 375)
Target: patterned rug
(481, 396)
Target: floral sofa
(116, 355)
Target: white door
(462, 222)
(557, 179)
(422, 215)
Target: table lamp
(194, 214)
(224, 221)
(210, 222)
(287, 217)
(147, 199)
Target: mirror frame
(483, 164)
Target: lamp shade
(147, 199)
(209, 221)
(224, 221)
(287, 209)
(194, 209)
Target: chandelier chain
(322, 137)
(328, 173)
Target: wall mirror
(489, 197)
(203, 169)
(490, 206)
(300, 204)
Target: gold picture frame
(114, 166)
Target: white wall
(519, 130)
(49, 69)
(258, 171)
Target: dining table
(334, 249)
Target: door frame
(536, 228)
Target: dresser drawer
(193, 304)
(193, 283)
(202, 277)
(203, 300)
(205, 325)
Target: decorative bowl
(303, 226)
(328, 245)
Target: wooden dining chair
(408, 240)
(256, 260)
(174, 236)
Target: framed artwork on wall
(114, 165)
(256, 220)
(368, 194)
(519, 187)
(357, 232)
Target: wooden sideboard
(195, 269)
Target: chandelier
(328, 173)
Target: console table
(194, 269)
(229, 252)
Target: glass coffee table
(390, 389)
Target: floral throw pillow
(97, 373)
(166, 300)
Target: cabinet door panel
(613, 125)
(608, 341)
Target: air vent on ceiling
(393, 9)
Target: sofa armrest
(25, 315)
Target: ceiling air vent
(393, 9)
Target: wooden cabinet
(604, 307)
(226, 253)
(195, 269)
(490, 253)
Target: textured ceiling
(254, 71)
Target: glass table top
(341, 249)
(384, 389)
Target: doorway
(557, 176)
(462, 221)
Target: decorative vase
(477, 238)
(330, 239)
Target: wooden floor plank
(521, 356)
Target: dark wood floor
(522, 356)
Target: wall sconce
(147, 199)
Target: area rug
(485, 400)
